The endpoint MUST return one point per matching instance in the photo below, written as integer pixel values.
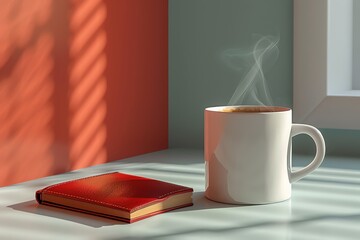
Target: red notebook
(116, 195)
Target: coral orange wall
(81, 83)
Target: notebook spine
(38, 196)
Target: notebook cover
(115, 190)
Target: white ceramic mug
(248, 153)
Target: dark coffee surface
(254, 109)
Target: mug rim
(263, 109)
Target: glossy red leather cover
(115, 190)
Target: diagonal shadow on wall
(76, 80)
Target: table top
(324, 205)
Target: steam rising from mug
(253, 89)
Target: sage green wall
(199, 30)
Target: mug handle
(315, 134)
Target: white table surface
(324, 205)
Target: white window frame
(324, 90)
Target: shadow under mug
(248, 153)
